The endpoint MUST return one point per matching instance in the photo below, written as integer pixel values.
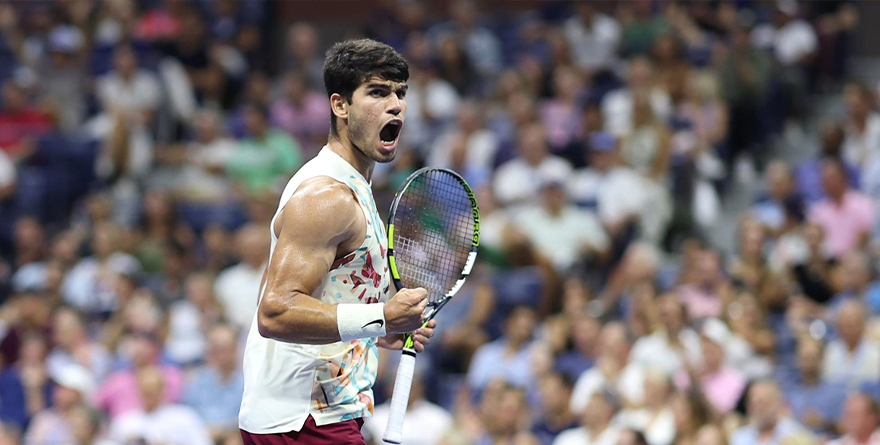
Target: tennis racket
(433, 235)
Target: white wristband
(357, 321)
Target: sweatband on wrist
(356, 321)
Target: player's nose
(395, 105)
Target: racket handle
(400, 397)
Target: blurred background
(679, 214)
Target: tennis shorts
(342, 433)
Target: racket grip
(400, 396)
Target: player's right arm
(322, 221)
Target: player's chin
(386, 152)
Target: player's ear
(339, 106)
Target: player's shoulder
(322, 201)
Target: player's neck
(340, 145)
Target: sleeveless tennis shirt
(284, 383)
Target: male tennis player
(311, 357)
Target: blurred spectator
(692, 413)
(480, 44)
(862, 125)
(791, 39)
(214, 390)
(469, 149)
(640, 27)
(618, 107)
(20, 123)
(238, 287)
(809, 173)
(769, 209)
(426, 423)
(846, 216)
(814, 402)
(704, 297)
(203, 178)
(517, 181)
(767, 422)
(508, 358)
(710, 434)
(555, 389)
(431, 102)
(596, 427)
(861, 421)
(62, 77)
(593, 37)
(302, 113)
(304, 54)
(265, 158)
(853, 358)
(674, 345)
(73, 346)
(73, 385)
(612, 371)
(631, 437)
(90, 286)
(584, 341)
(119, 394)
(562, 232)
(189, 319)
(655, 418)
(721, 384)
(562, 114)
(158, 421)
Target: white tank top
(284, 383)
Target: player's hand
(422, 336)
(403, 311)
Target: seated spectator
(847, 217)
(203, 178)
(612, 371)
(73, 385)
(90, 284)
(857, 281)
(426, 423)
(618, 106)
(767, 421)
(703, 297)
(562, 232)
(508, 358)
(860, 420)
(584, 345)
(721, 384)
(815, 403)
(517, 181)
(265, 158)
(593, 37)
(671, 347)
(505, 415)
(119, 393)
(615, 191)
(469, 149)
(596, 426)
(862, 125)
(555, 389)
(853, 358)
(158, 421)
(302, 113)
(655, 418)
(561, 114)
(214, 390)
(62, 76)
(238, 287)
(809, 173)
(72, 345)
(190, 318)
(692, 413)
(20, 123)
(812, 264)
(769, 209)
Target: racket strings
(434, 229)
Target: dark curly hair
(351, 63)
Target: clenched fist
(403, 311)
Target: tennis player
(311, 355)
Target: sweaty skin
(323, 222)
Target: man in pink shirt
(845, 215)
(722, 385)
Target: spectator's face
(555, 396)
(602, 160)
(302, 41)
(671, 313)
(520, 325)
(709, 435)
(258, 88)
(856, 272)
(813, 236)
(833, 180)
(532, 145)
(65, 248)
(14, 98)
(598, 413)
(665, 48)
(33, 351)
(28, 233)
(521, 108)
(554, 198)
(125, 61)
(585, 333)
(856, 105)
(253, 245)
(779, 181)
(222, 348)
(65, 398)
(809, 357)
(763, 405)
(613, 343)
(851, 324)
(640, 74)
(105, 242)
(207, 126)
(199, 290)
(152, 388)
(713, 355)
(295, 86)
(858, 420)
(67, 329)
(84, 429)
(254, 122)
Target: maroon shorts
(342, 433)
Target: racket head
(433, 233)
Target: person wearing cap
(721, 384)
(559, 230)
(596, 426)
(73, 384)
(614, 191)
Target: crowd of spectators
(143, 145)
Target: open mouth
(390, 132)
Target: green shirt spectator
(266, 156)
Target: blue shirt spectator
(215, 390)
(509, 357)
